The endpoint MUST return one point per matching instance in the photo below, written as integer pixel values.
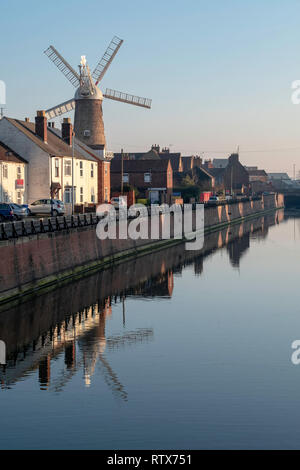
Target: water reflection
(63, 332)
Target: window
(19, 197)
(81, 169)
(106, 194)
(68, 167)
(19, 172)
(5, 197)
(125, 177)
(5, 171)
(92, 195)
(105, 170)
(92, 170)
(56, 169)
(67, 195)
(147, 177)
(81, 194)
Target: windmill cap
(96, 96)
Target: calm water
(174, 350)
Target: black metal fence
(53, 224)
(32, 226)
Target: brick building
(257, 175)
(152, 178)
(231, 177)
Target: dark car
(6, 212)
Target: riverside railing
(34, 226)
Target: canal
(174, 350)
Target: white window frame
(56, 167)
(5, 170)
(68, 191)
(147, 177)
(68, 166)
(92, 194)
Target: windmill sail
(127, 98)
(63, 66)
(60, 109)
(107, 59)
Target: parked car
(118, 202)
(213, 200)
(19, 211)
(51, 207)
(6, 212)
(228, 197)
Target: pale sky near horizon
(219, 72)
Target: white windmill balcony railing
(127, 98)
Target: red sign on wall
(19, 184)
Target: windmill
(87, 102)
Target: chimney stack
(27, 119)
(41, 125)
(67, 131)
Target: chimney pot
(41, 125)
(27, 119)
(67, 131)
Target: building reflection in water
(78, 341)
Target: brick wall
(26, 261)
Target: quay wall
(33, 262)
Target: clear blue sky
(219, 72)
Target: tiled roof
(85, 151)
(257, 173)
(8, 155)
(216, 172)
(55, 146)
(137, 166)
(220, 162)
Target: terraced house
(13, 176)
(57, 161)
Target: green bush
(143, 201)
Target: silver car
(50, 207)
(18, 211)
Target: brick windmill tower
(87, 102)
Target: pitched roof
(85, 151)
(215, 172)
(220, 162)
(137, 166)
(8, 155)
(151, 155)
(257, 172)
(175, 159)
(55, 146)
